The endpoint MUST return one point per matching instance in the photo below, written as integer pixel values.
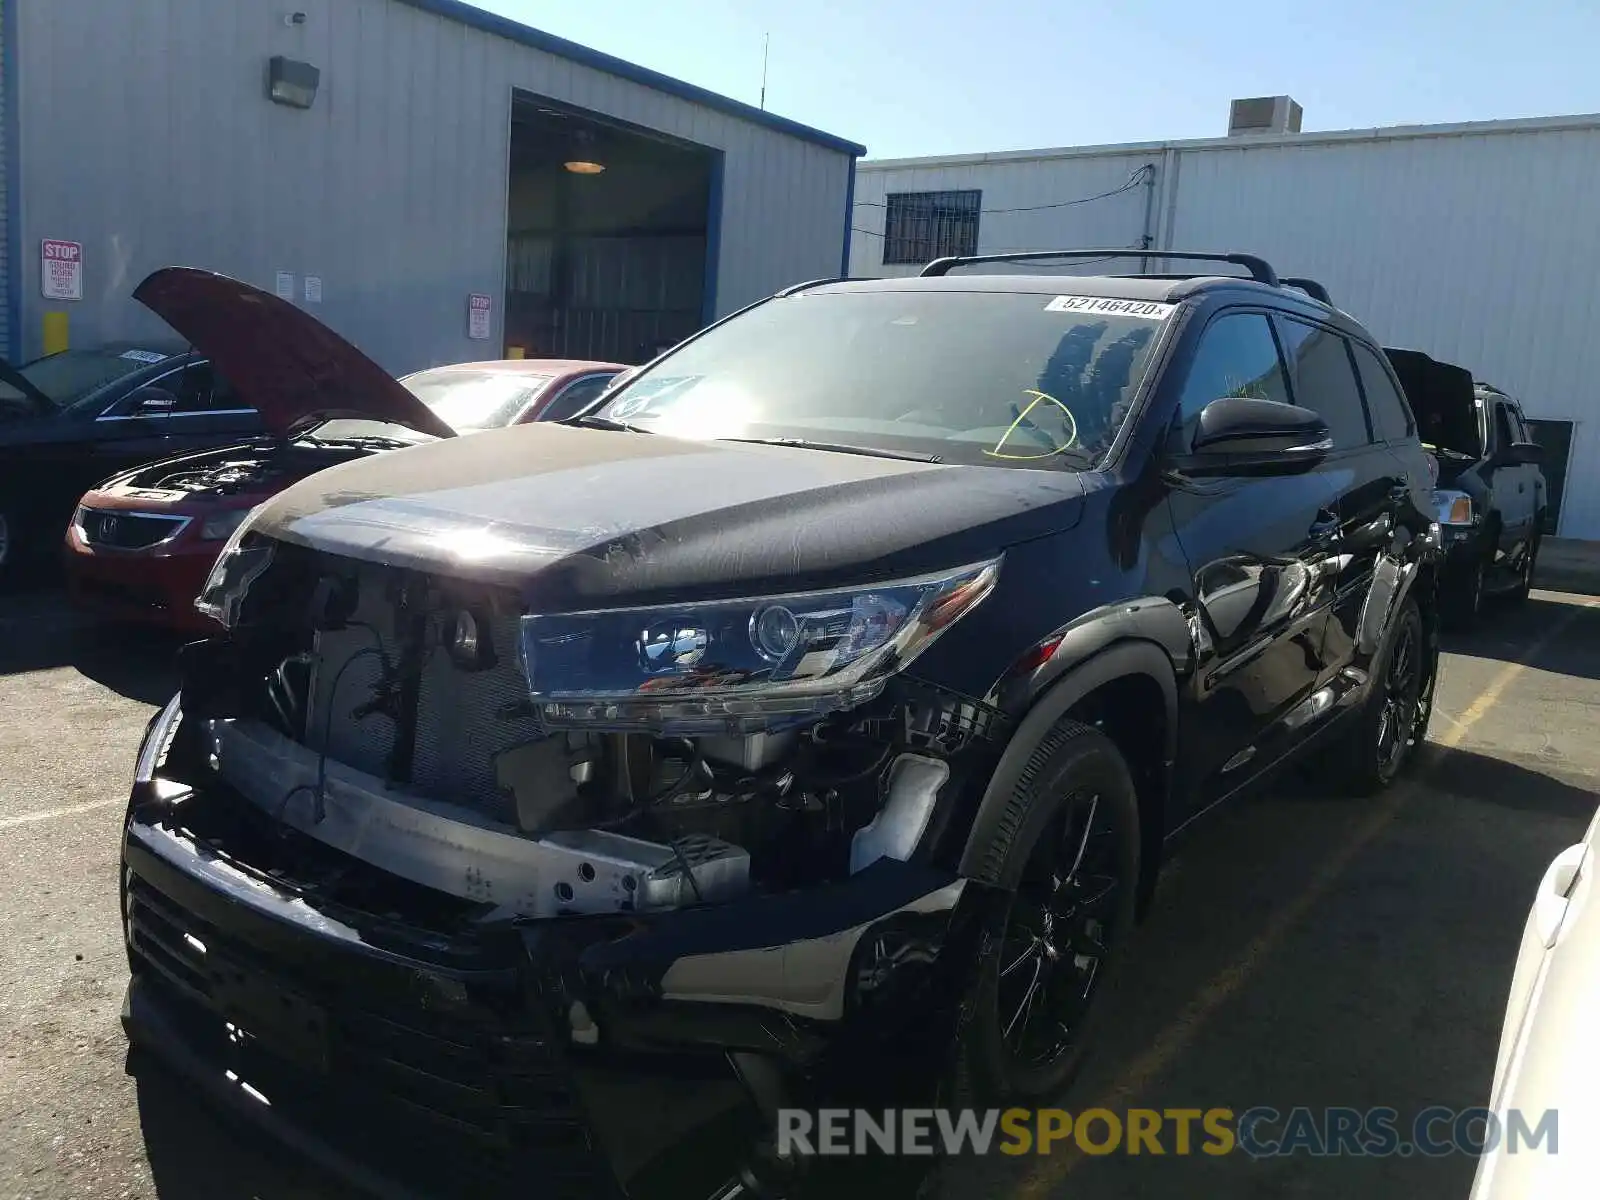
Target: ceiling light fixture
(583, 160)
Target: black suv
(804, 724)
(1490, 497)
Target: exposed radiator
(464, 718)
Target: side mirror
(1238, 435)
(1529, 454)
(152, 402)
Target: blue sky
(910, 77)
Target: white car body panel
(1549, 1054)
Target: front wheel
(1530, 560)
(1069, 842)
(1461, 599)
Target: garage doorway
(611, 236)
(1556, 438)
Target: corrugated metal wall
(1021, 206)
(148, 137)
(1478, 245)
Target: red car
(142, 542)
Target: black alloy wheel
(1058, 934)
(1066, 850)
(1394, 719)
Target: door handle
(1555, 890)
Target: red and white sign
(479, 309)
(61, 269)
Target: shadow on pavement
(1506, 783)
(195, 1156)
(1505, 631)
(40, 632)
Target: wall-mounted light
(583, 160)
(292, 82)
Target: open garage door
(607, 239)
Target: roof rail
(1260, 269)
(1311, 288)
(811, 283)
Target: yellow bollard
(55, 332)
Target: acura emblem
(671, 646)
(108, 529)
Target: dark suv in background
(1489, 493)
(802, 725)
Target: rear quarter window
(1391, 415)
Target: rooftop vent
(1263, 114)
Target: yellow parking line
(1176, 1036)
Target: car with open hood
(72, 418)
(140, 543)
(802, 725)
(1490, 495)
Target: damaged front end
(598, 892)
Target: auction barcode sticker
(1150, 310)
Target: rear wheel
(1394, 720)
(1069, 843)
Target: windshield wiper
(595, 421)
(840, 448)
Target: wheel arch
(1114, 690)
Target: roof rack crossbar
(1260, 269)
(1311, 288)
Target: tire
(1393, 721)
(1461, 600)
(1067, 851)
(1530, 561)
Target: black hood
(1442, 396)
(574, 517)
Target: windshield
(71, 375)
(977, 377)
(473, 400)
(350, 429)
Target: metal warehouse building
(1477, 243)
(434, 182)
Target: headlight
(738, 665)
(1452, 508)
(239, 565)
(220, 525)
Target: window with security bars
(925, 225)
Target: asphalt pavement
(1304, 948)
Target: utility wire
(1135, 180)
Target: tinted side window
(1503, 435)
(575, 398)
(1391, 415)
(1237, 356)
(1324, 381)
(194, 388)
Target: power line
(1137, 179)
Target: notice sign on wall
(479, 307)
(61, 269)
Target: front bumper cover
(638, 1055)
